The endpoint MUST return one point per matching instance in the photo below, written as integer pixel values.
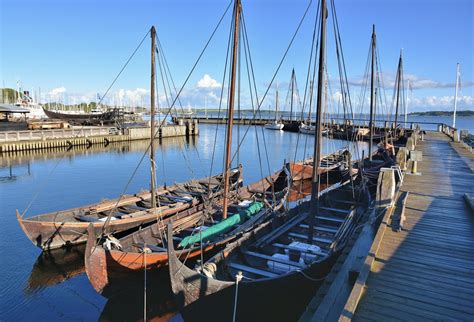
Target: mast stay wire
(169, 109)
(168, 78)
(253, 92)
(260, 103)
(41, 187)
(186, 148)
(249, 60)
(314, 46)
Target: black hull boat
(291, 126)
(276, 268)
(108, 117)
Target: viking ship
(275, 260)
(110, 261)
(332, 168)
(69, 227)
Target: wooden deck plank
(437, 279)
(426, 271)
(422, 308)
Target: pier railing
(16, 136)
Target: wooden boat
(331, 168)
(69, 227)
(274, 261)
(84, 118)
(107, 265)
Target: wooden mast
(406, 103)
(276, 102)
(230, 110)
(399, 81)
(152, 120)
(456, 95)
(372, 96)
(292, 92)
(314, 206)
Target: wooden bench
(278, 260)
(252, 270)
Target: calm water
(462, 123)
(41, 287)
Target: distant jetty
(443, 113)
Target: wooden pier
(425, 271)
(13, 141)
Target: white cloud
(56, 92)
(134, 96)
(440, 103)
(208, 82)
(416, 82)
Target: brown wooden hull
(303, 171)
(106, 268)
(52, 234)
(62, 228)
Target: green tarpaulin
(224, 225)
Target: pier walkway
(426, 271)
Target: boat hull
(269, 297)
(282, 299)
(51, 235)
(102, 118)
(109, 270)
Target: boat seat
(315, 238)
(349, 202)
(324, 229)
(274, 259)
(333, 219)
(86, 218)
(342, 211)
(283, 246)
(256, 271)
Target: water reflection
(13, 172)
(129, 304)
(15, 165)
(54, 267)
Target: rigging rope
(41, 187)
(169, 110)
(276, 72)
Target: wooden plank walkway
(426, 271)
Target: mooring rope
(238, 278)
(144, 286)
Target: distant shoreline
(442, 113)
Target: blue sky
(73, 49)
